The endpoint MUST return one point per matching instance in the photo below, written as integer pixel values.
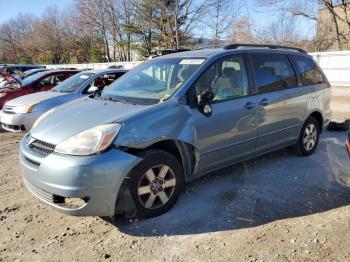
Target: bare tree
(220, 17)
(94, 13)
(51, 37)
(332, 17)
(243, 31)
(16, 39)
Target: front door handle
(249, 105)
(264, 102)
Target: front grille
(42, 147)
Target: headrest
(228, 72)
(270, 69)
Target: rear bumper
(18, 122)
(94, 179)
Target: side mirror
(205, 98)
(204, 101)
(92, 89)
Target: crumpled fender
(167, 120)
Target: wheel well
(168, 146)
(319, 118)
(184, 152)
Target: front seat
(225, 86)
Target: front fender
(170, 121)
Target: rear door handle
(264, 102)
(249, 105)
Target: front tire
(309, 137)
(156, 183)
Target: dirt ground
(279, 207)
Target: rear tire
(308, 138)
(156, 183)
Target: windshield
(34, 71)
(72, 83)
(154, 80)
(32, 78)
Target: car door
(281, 102)
(229, 134)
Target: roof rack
(236, 46)
(167, 51)
(209, 46)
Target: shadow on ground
(275, 186)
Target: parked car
(25, 67)
(34, 71)
(168, 51)
(14, 72)
(8, 81)
(35, 83)
(170, 120)
(77, 86)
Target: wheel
(156, 183)
(308, 138)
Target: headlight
(3, 94)
(42, 117)
(23, 109)
(89, 142)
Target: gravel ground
(279, 207)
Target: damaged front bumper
(75, 185)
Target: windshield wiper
(110, 98)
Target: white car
(19, 114)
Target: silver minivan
(131, 149)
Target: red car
(42, 81)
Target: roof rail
(236, 46)
(209, 46)
(167, 51)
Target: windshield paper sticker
(191, 61)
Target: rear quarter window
(309, 72)
(273, 72)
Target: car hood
(80, 115)
(4, 87)
(33, 98)
(5, 79)
(54, 101)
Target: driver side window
(227, 79)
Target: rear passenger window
(273, 72)
(309, 72)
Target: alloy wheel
(156, 186)
(310, 137)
